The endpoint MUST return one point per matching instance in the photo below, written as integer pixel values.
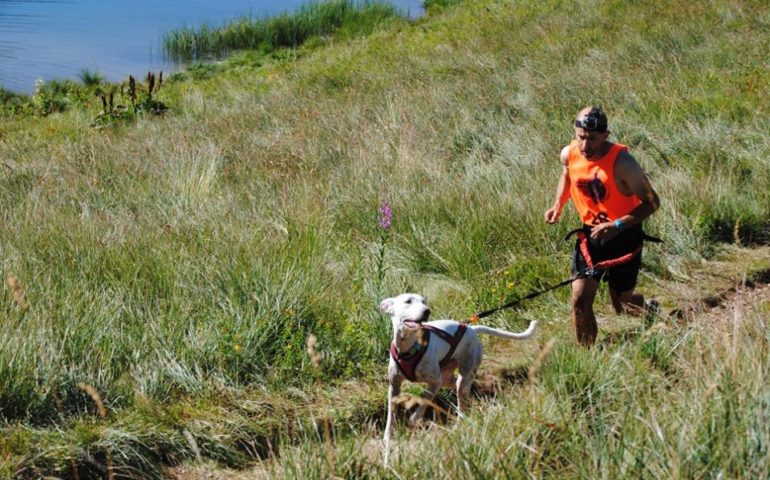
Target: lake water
(59, 38)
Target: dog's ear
(387, 305)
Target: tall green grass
(341, 17)
(185, 260)
(683, 402)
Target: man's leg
(583, 318)
(628, 302)
(634, 304)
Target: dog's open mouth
(412, 324)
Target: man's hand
(552, 215)
(604, 232)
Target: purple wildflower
(386, 214)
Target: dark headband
(593, 121)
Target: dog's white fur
(407, 312)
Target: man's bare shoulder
(564, 155)
(626, 163)
(631, 178)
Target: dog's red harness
(407, 361)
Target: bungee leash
(593, 269)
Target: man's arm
(562, 190)
(631, 179)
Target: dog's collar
(413, 350)
(407, 361)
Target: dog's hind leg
(465, 378)
(463, 391)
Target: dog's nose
(425, 314)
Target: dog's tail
(505, 334)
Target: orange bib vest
(593, 188)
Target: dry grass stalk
(532, 373)
(315, 359)
(17, 291)
(91, 392)
(409, 401)
(193, 445)
(656, 328)
(74, 468)
(101, 410)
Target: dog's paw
(416, 421)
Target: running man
(613, 197)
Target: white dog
(430, 352)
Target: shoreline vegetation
(345, 18)
(192, 264)
(198, 49)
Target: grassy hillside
(177, 264)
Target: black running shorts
(620, 278)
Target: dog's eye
(408, 301)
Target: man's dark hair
(593, 121)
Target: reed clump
(136, 99)
(316, 19)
